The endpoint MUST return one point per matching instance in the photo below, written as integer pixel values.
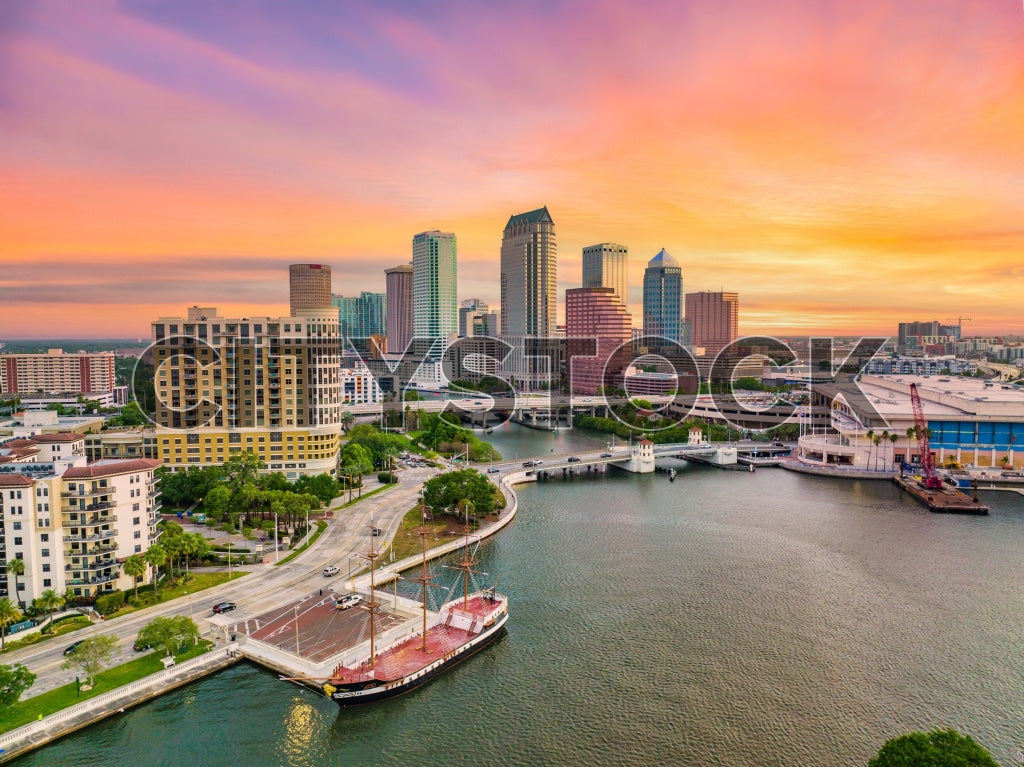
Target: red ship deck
(409, 657)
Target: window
(46, 567)
(17, 542)
(136, 520)
(138, 548)
(137, 534)
(47, 583)
(44, 552)
(16, 526)
(45, 537)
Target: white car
(330, 571)
(349, 600)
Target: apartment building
(57, 373)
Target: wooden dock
(944, 500)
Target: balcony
(93, 521)
(84, 568)
(93, 581)
(94, 551)
(105, 490)
(105, 535)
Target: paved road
(265, 588)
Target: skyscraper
(714, 319)
(529, 275)
(309, 287)
(663, 298)
(596, 313)
(606, 266)
(434, 286)
(361, 317)
(399, 307)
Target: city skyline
(843, 167)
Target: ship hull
(349, 698)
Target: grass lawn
(439, 531)
(23, 712)
(64, 627)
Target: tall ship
(460, 628)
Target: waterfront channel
(726, 618)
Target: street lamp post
(277, 551)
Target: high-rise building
(57, 373)
(475, 319)
(606, 266)
(663, 298)
(361, 317)
(714, 319)
(399, 307)
(596, 313)
(309, 287)
(529, 275)
(269, 385)
(435, 286)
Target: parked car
(330, 571)
(70, 649)
(224, 607)
(141, 647)
(573, 459)
(349, 600)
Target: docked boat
(460, 628)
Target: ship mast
(425, 581)
(467, 562)
(373, 604)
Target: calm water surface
(725, 618)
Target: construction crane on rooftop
(960, 325)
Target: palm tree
(894, 438)
(871, 438)
(135, 567)
(885, 435)
(16, 567)
(346, 419)
(50, 600)
(156, 555)
(878, 441)
(8, 614)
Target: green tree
(242, 469)
(217, 502)
(49, 600)
(323, 486)
(156, 555)
(14, 680)
(16, 567)
(93, 655)
(9, 614)
(135, 567)
(169, 635)
(357, 456)
(938, 748)
(444, 493)
(346, 419)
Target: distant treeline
(71, 346)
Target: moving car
(70, 649)
(376, 531)
(331, 571)
(573, 459)
(493, 471)
(141, 647)
(349, 600)
(606, 455)
(224, 607)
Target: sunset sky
(844, 166)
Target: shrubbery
(110, 603)
(387, 478)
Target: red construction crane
(929, 478)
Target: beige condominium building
(269, 385)
(71, 523)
